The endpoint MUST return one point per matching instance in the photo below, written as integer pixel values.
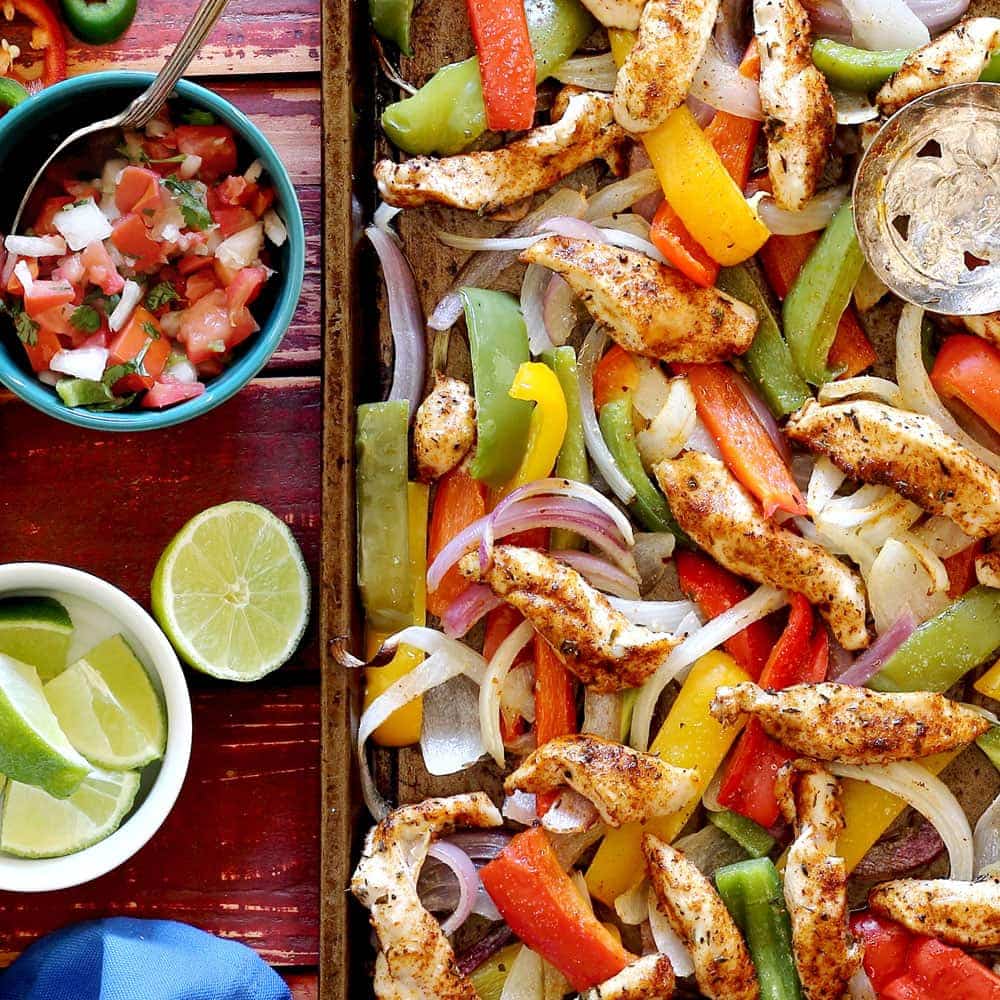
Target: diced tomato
(232, 220)
(80, 190)
(101, 269)
(242, 290)
(235, 190)
(138, 191)
(262, 201)
(141, 330)
(14, 286)
(45, 295)
(168, 392)
(206, 331)
(130, 235)
(43, 350)
(215, 144)
(56, 320)
(191, 262)
(70, 269)
(198, 285)
(44, 224)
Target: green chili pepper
(498, 342)
(447, 113)
(572, 461)
(98, 22)
(989, 743)
(752, 893)
(391, 21)
(944, 649)
(821, 292)
(649, 505)
(11, 93)
(382, 447)
(768, 363)
(751, 836)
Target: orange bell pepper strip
(734, 139)
(615, 376)
(555, 705)
(745, 445)
(715, 590)
(459, 501)
(968, 369)
(506, 62)
(544, 909)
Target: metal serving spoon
(927, 201)
(145, 107)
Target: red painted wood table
(239, 855)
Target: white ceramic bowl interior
(87, 597)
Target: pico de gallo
(133, 284)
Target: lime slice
(232, 592)
(35, 825)
(108, 709)
(36, 631)
(33, 748)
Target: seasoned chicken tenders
(444, 429)
(962, 913)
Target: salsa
(133, 284)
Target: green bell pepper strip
(382, 445)
(572, 462)
(768, 363)
(752, 893)
(11, 93)
(751, 836)
(848, 68)
(989, 743)
(945, 648)
(391, 21)
(649, 505)
(447, 113)
(498, 342)
(98, 22)
(821, 292)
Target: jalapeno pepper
(46, 37)
(98, 22)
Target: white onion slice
(602, 714)
(491, 690)
(824, 482)
(930, 796)
(905, 577)
(450, 740)
(853, 108)
(525, 979)
(660, 616)
(384, 215)
(571, 812)
(82, 224)
(701, 439)
(869, 289)
(462, 242)
(84, 362)
(627, 240)
(859, 986)
(814, 216)
(865, 386)
(590, 72)
(667, 940)
(274, 228)
(670, 430)
(721, 85)
(615, 198)
(942, 536)
(885, 24)
(762, 602)
(520, 807)
(632, 906)
(131, 297)
(986, 840)
(536, 280)
(35, 246)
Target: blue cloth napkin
(122, 958)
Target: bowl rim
(259, 349)
(47, 874)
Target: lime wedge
(35, 825)
(232, 592)
(108, 709)
(36, 631)
(33, 748)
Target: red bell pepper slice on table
(506, 62)
(544, 909)
(968, 369)
(46, 37)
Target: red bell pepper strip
(615, 376)
(47, 37)
(555, 705)
(544, 909)
(715, 590)
(961, 569)
(734, 139)
(968, 369)
(799, 657)
(886, 944)
(458, 502)
(506, 62)
(745, 445)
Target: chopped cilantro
(159, 295)
(198, 117)
(24, 326)
(77, 203)
(134, 367)
(190, 197)
(134, 154)
(150, 330)
(179, 158)
(86, 318)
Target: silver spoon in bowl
(146, 106)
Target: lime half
(232, 592)
(36, 631)
(35, 825)
(108, 708)
(33, 748)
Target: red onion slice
(468, 882)
(405, 318)
(938, 14)
(829, 19)
(485, 948)
(468, 608)
(600, 573)
(521, 808)
(870, 662)
(721, 85)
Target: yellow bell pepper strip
(402, 728)
(696, 183)
(536, 382)
(989, 683)
(689, 737)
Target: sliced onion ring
(465, 875)
(491, 689)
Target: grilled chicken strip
(648, 978)
(600, 645)
(853, 725)
(444, 429)
(986, 326)
(715, 510)
(649, 308)
(722, 965)
(988, 568)
(962, 913)
(626, 786)
(910, 453)
(826, 954)
(414, 958)
(958, 56)
(487, 180)
(656, 75)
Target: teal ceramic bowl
(30, 131)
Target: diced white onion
(111, 174)
(491, 689)
(23, 274)
(274, 228)
(816, 214)
(49, 378)
(35, 246)
(84, 362)
(157, 128)
(242, 249)
(590, 72)
(865, 386)
(120, 315)
(190, 166)
(859, 986)
(615, 198)
(182, 371)
(253, 173)
(81, 225)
